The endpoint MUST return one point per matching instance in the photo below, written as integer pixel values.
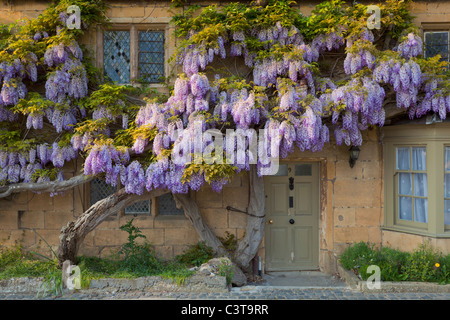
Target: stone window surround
(435, 137)
(135, 25)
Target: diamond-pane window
(99, 190)
(141, 207)
(151, 56)
(116, 55)
(167, 205)
(437, 42)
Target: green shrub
(420, 265)
(424, 264)
(137, 258)
(196, 254)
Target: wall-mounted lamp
(354, 154)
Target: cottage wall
(351, 199)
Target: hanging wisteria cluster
(67, 83)
(282, 103)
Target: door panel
(303, 196)
(292, 234)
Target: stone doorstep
(197, 283)
(390, 286)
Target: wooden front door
(292, 218)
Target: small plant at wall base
(424, 264)
(196, 254)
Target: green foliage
(229, 242)
(420, 264)
(424, 264)
(196, 254)
(226, 270)
(137, 257)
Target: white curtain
(405, 185)
(447, 186)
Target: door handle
(291, 221)
(270, 221)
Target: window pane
(116, 55)
(99, 190)
(303, 169)
(447, 212)
(420, 184)
(436, 43)
(403, 158)
(167, 205)
(419, 158)
(404, 183)
(151, 55)
(447, 158)
(141, 207)
(421, 210)
(447, 185)
(405, 208)
(282, 170)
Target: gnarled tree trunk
(73, 234)
(254, 233)
(247, 246)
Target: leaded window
(99, 190)
(151, 56)
(436, 42)
(130, 55)
(167, 205)
(116, 55)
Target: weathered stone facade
(351, 199)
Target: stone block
(57, 219)
(351, 234)
(109, 223)
(63, 202)
(110, 237)
(344, 217)
(140, 221)
(357, 193)
(164, 252)
(42, 201)
(237, 220)
(331, 170)
(182, 236)
(401, 241)
(129, 11)
(215, 218)
(4, 237)
(171, 222)
(50, 236)
(371, 169)
(343, 170)
(236, 197)
(18, 201)
(207, 198)
(368, 216)
(31, 219)
(154, 236)
(25, 238)
(9, 220)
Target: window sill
(416, 232)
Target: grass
(135, 259)
(425, 264)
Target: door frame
(318, 223)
